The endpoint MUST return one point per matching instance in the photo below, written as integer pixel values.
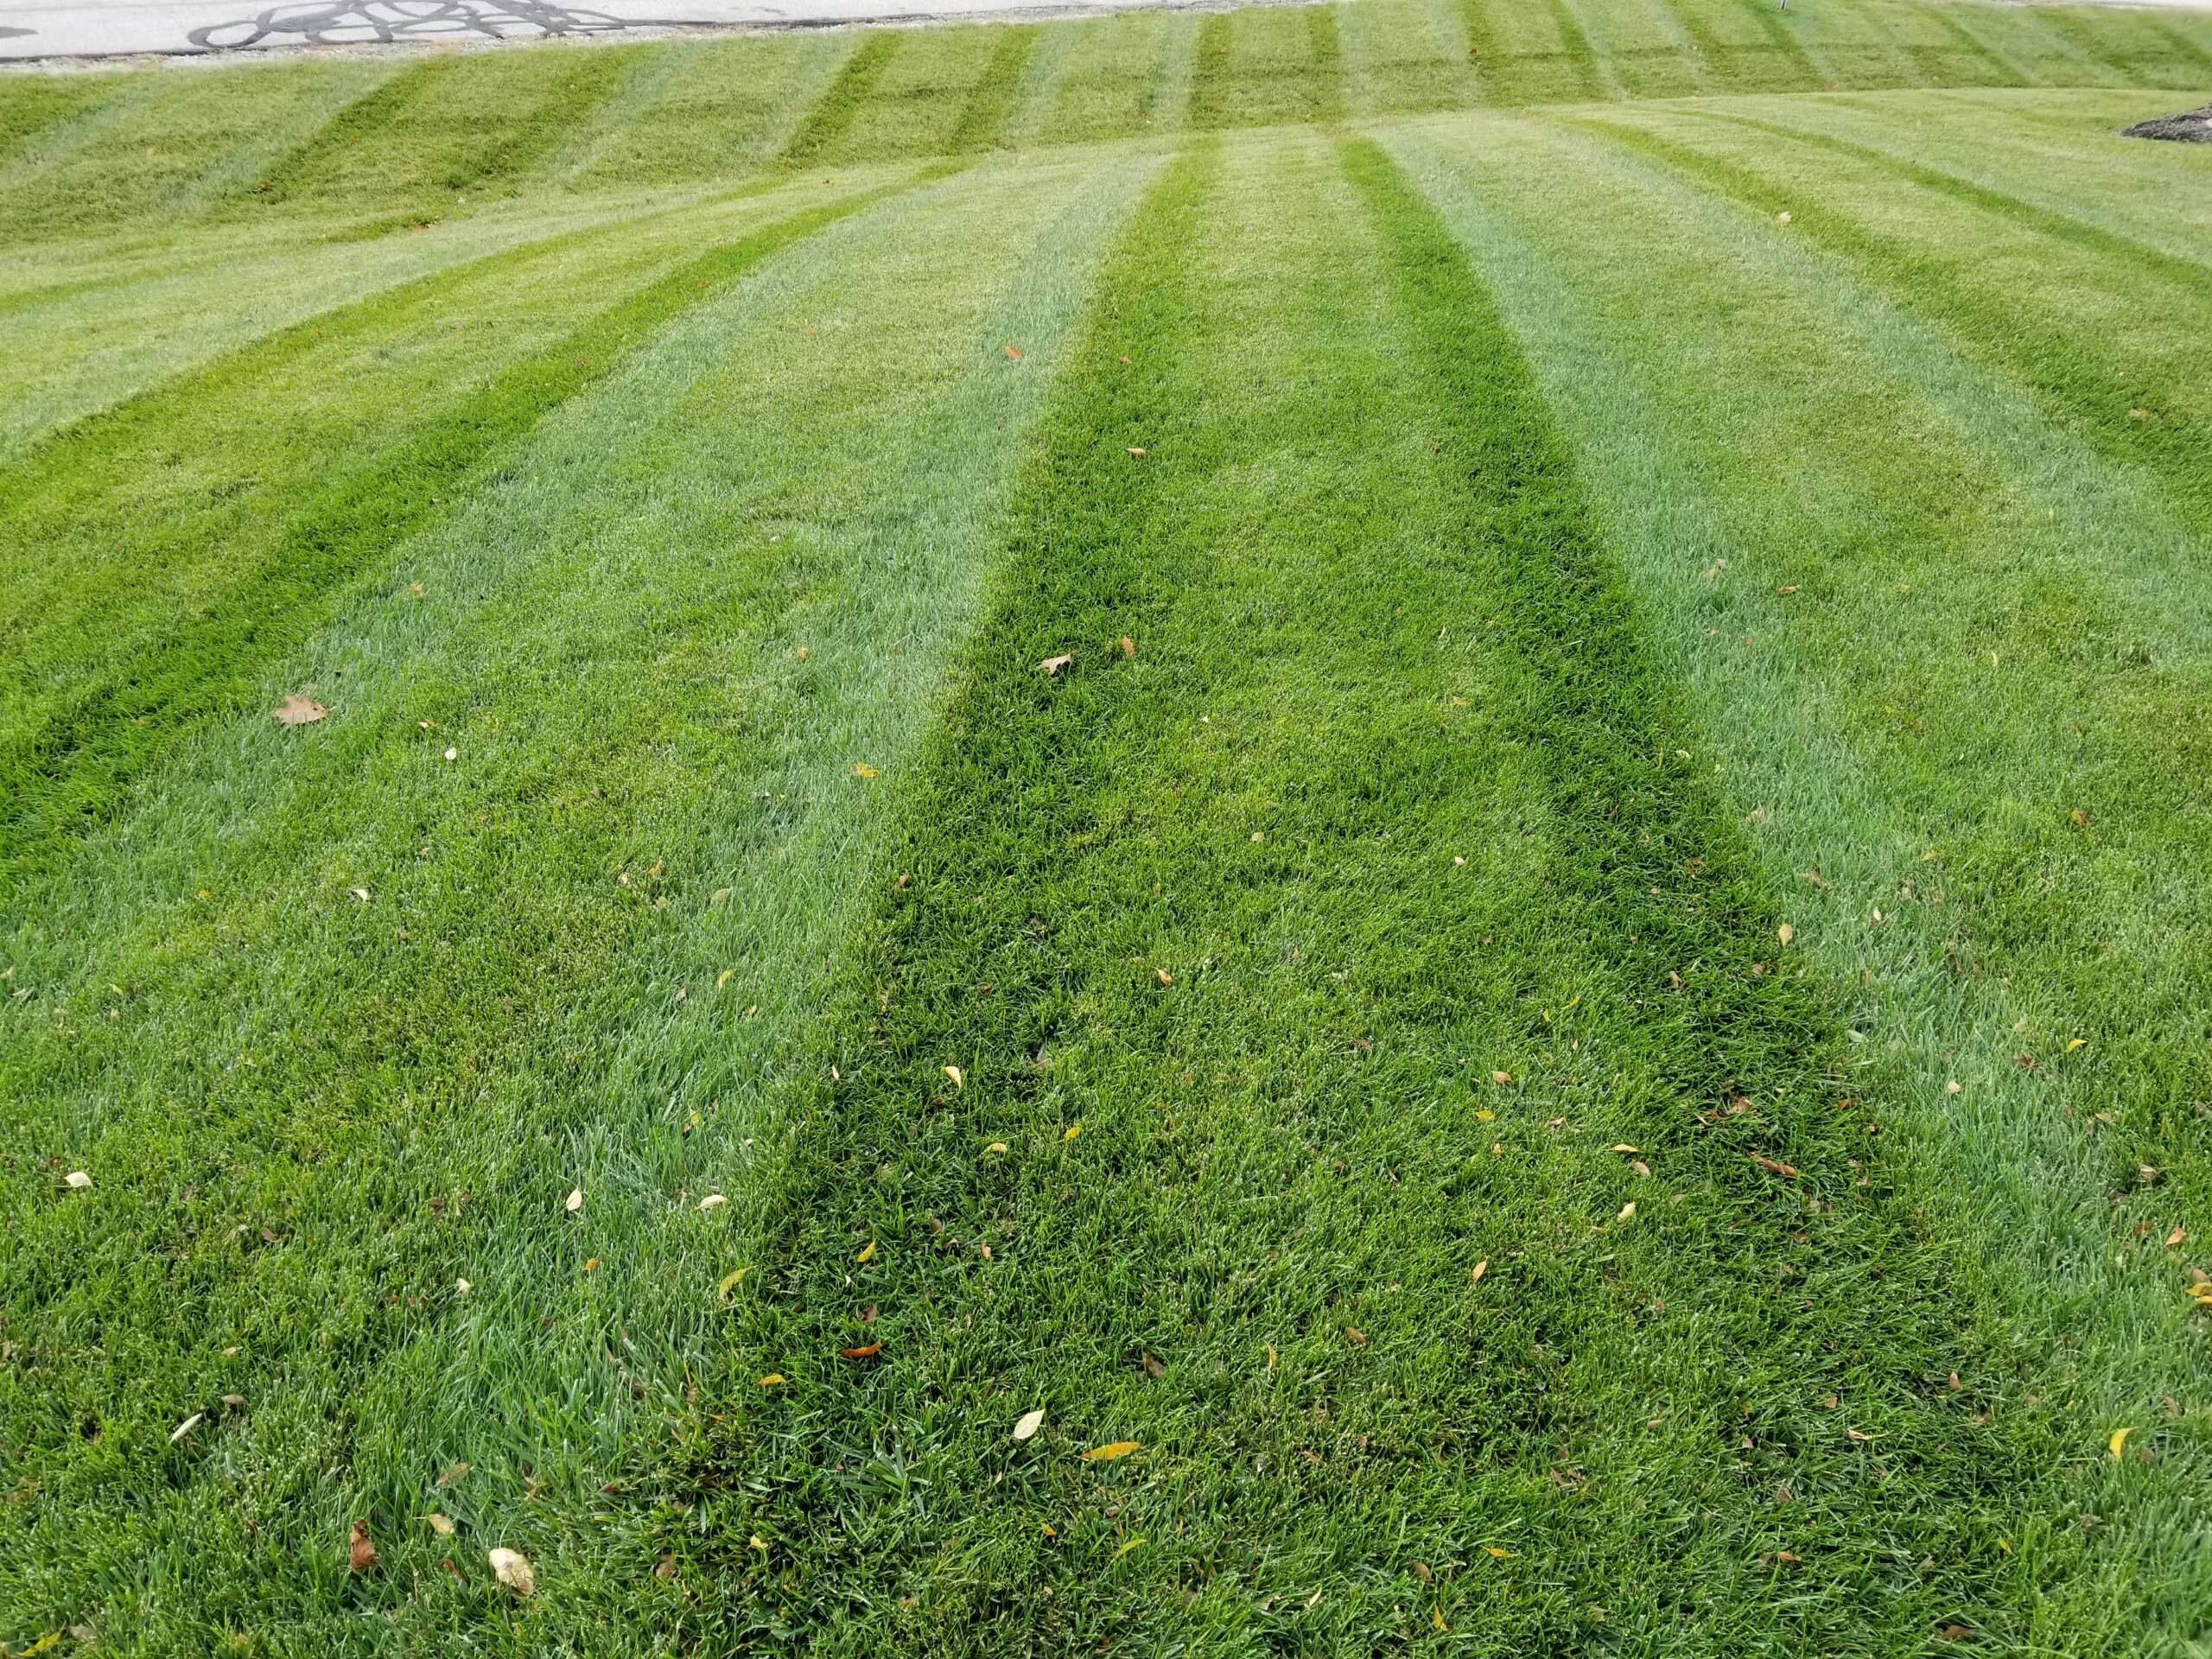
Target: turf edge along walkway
(1253, 1073)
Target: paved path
(35, 29)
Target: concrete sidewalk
(46, 28)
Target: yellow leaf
(730, 1280)
(1108, 1454)
(2078, 1042)
(867, 1252)
(953, 1071)
(996, 1146)
(574, 1200)
(2118, 1444)
(1501, 1078)
(1785, 932)
(756, 1542)
(1627, 1209)
(861, 771)
(1051, 1531)
(1502, 1554)
(724, 977)
(1436, 1618)
(1484, 1116)
(1073, 1130)
(1030, 1423)
(772, 1380)
(1125, 1549)
(2176, 1236)
(1480, 1269)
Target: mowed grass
(1574, 1025)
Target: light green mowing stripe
(1235, 994)
(2081, 1324)
(588, 940)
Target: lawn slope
(1575, 1022)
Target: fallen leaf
(996, 1146)
(2079, 816)
(1128, 647)
(453, 754)
(953, 1071)
(1357, 1335)
(1786, 591)
(1627, 1210)
(1623, 1146)
(1785, 1555)
(774, 1379)
(574, 1200)
(1785, 932)
(867, 1352)
(756, 1542)
(1125, 1549)
(1502, 1554)
(1639, 1166)
(1071, 1131)
(234, 1401)
(1421, 1568)
(730, 1280)
(665, 1568)
(360, 1554)
(1768, 1163)
(1166, 978)
(1054, 664)
(710, 1201)
(1480, 1267)
(2078, 1042)
(1015, 352)
(511, 1568)
(863, 770)
(440, 1524)
(186, 1426)
(361, 893)
(1134, 450)
(2176, 1236)
(592, 1266)
(1501, 1078)
(2118, 1445)
(1436, 1618)
(299, 711)
(78, 1179)
(1953, 1632)
(1108, 1454)
(867, 1252)
(1031, 1422)
(450, 1473)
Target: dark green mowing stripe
(842, 101)
(2045, 221)
(868, 1476)
(985, 112)
(2072, 374)
(1574, 41)
(76, 770)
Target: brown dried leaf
(360, 1554)
(1054, 664)
(299, 711)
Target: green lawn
(1440, 764)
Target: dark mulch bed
(2190, 127)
